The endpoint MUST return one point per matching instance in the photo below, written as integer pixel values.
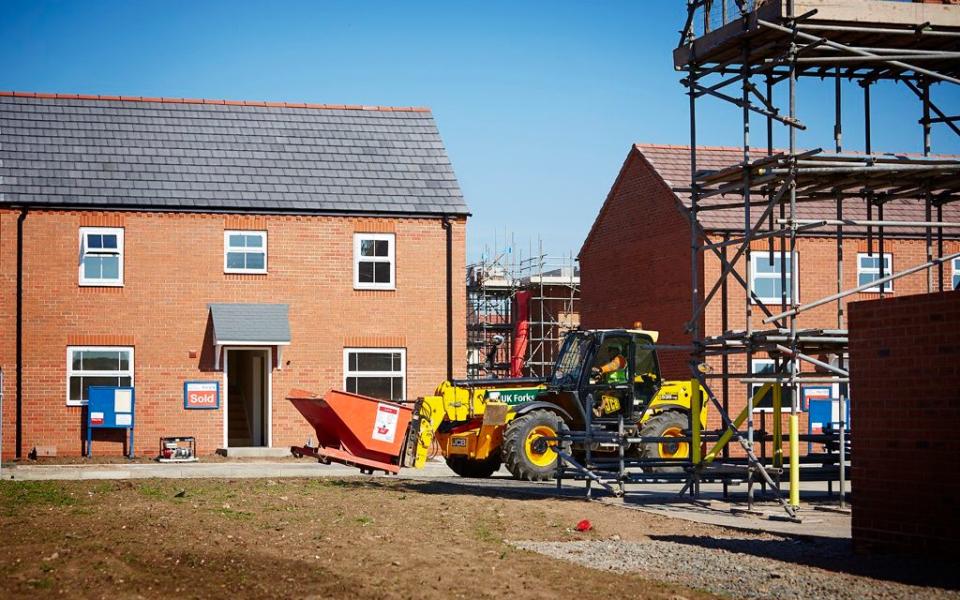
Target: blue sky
(537, 102)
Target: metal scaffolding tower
(553, 285)
(491, 286)
(521, 307)
(744, 53)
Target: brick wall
(173, 267)
(905, 377)
(635, 264)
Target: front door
(248, 401)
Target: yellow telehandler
(480, 425)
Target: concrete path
(663, 500)
(660, 499)
(209, 470)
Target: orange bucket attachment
(354, 429)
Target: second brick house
(242, 247)
(635, 262)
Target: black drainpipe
(448, 225)
(19, 375)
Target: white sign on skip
(385, 426)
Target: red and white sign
(96, 418)
(385, 426)
(200, 394)
(817, 393)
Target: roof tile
(104, 149)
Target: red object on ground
(353, 429)
(521, 333)
(584, 525)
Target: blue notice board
(110, 408)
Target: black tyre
(671, 423)
(525, 453)
(474, 469)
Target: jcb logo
(459, 442)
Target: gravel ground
(719, 568)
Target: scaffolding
(553, 285)
(491, 287)
(519, 307)
(744, 53)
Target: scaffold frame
(548, 286)
(742, 52)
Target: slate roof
(672, 164)
(147, 153)
(250, 322)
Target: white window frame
(955, 278)
(786, 403)
(755, 257)
(390, 258)
(227, 248)
(887, 270)
(84, 251)
(403, 365)
(72, 373)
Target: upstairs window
(868, 269)
(956, 273)
(765, 276)
(86, 366)
(101, 256)
(373, 261)
(244, 251)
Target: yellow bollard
(794, 459)
(695, 404)
(777, 426)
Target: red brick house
(257, 246)
(635, 262)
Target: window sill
(76, 403)
(243, 272)
(768, 301)
(104, 284)
(371, 288)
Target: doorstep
(254, 452)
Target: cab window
(610, 362)
(645, 380)
(571, 360)
(645, 360)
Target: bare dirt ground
(354, 538)
(375, 538)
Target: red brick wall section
(635, 264)
(905, 377)
(8, 286)
(173, 267)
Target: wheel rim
(545, 458)
(673, 449)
